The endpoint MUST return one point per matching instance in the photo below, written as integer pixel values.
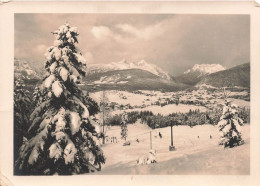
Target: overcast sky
(173, 42)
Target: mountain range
(125, 65)
(23, 70)
(198, 72)
(138, 75)
(130, 79)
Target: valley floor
(195, 152)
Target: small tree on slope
(62, 138)
(229, 126)
(124, 126)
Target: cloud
(41, 48)
(173, 42)
(146, 33)
(129, 33)
(101, 32)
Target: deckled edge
(4, 1)
(257, 3)
(4, 181)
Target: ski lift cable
(142, 134)
(133, 135)
(156, 130)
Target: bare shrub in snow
(147, 159)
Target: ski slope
(193, 155)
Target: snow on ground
(241, 103)
(238, 102)
(243, 93)
(165, 110)
(124, 97)
(201, 86)
(146, 97)
(193, 155)
(145, 100)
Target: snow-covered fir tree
(38, 97)
(124, 129)
(229, 126)
(62, 137)
(37, 94)
(22, 109)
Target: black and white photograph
(136, 93)
(131, 94)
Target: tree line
(192, 118)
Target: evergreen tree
(229, 126)
(92, 106)
(124, 126)
(22, 109)
(38, 97)
(62, 137)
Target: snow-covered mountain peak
(23, 70)
(206, 68)
(124, 64)
(142, 62)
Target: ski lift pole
(103, 117)
(171, 135)
(151, 147)
(103, 132)
(171, 147)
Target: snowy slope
(124, 64)
(23, 70)
(193, 155)
(235, 76)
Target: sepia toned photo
(131, 94)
